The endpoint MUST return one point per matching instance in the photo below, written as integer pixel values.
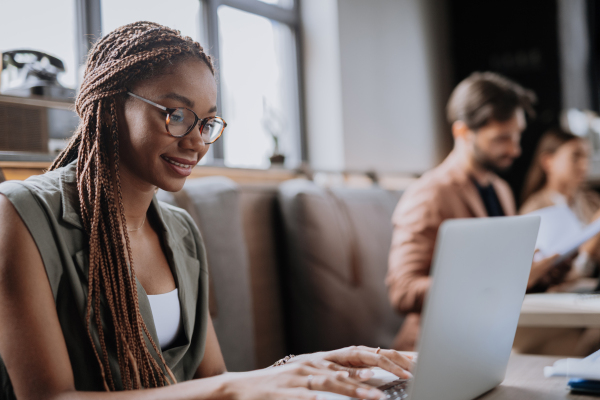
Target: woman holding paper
(557, 176)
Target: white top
(166, 312)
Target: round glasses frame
(171, 110)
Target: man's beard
(487, 163)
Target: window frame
(89, 28)
(290, 17)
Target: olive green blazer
(48, 205)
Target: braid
(127, 55)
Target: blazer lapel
(146, 311)
(471, 196)
(70, 198)
(465, 186)
(186, 271)
(469, 193)
(505, 197)
(185, 268)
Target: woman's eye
(177, 117)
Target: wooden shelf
(39, 101)
(25, 164)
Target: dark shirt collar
(490, 199)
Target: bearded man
(487, 114)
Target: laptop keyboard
(395, 390)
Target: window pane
(259, 89)
(46, 26)
(183, 15)
(281, 3)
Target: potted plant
(274, 125)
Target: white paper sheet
(561, 232)
(586, 368)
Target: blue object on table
(587, 386)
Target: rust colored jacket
(445, 192)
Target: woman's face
(147, 151)
(569, 164)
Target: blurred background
(348, 93)
(332, 86)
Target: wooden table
(560, 310)
(525, 381)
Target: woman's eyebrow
(212, 109)
(178, 97)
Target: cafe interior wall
(376, 81)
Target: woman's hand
(296, 381)
(539, 269)
(357, 359)
(591, 247)
(546, 272)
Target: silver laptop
(480, 271)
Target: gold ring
(378, 350)
(309, 382)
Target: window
(46, 26)
(258, 88)
(255, 46)
(178, 14)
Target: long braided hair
(127, 55)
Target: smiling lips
(181, 166)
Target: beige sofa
(294, 268)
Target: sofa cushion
(214, 205)
(262, 231)
(337, 246)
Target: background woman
(557, 176)
(82, 247)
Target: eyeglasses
(180, 121)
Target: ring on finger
(378, 350)
(310, 377)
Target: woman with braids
(89, 257)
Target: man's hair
(486, 96)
